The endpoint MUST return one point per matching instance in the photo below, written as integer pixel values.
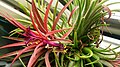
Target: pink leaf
(36, 22)
(14, 22)
(37, 47)
(67, 34)
(40, 33)
(46, 15)
(108, 10)
(72, 14)
(62, 40)
(14, 38)
(22, 51)
(56, 31)
(33, 58)
(59, 15)
(19, 25)
(12, 53)
(47, 62)
(37, 13)
(37, 17)
(13, 45)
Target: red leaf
(35, 10)
(108, 10)
(13, 45)
(37, 47)
(40, 33)
(14, 38)
(22, 51)
(14, 22)
(37, 17)
(46, 15)
(62, 40)
(19, 25)
(55, 31)
(36, 21)
(12, 53)
(7, 19)
(59, 15)
(72, 14)
(47, 62)
(33, 58)
(67, 34)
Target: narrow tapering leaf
(67, 33)
(33, 58)
(62, 40)
(24, 9)
(21, 52)
(46, 16)
(55, 11)
(59, 15)
(14, 38)
(14, 22)
(75, 40)
(12, 53)
(72, 14)
(37, 47)
(13, 45)
(108, 10)
(47, 62)
(35, 26)
(37, 17)
(56, 31)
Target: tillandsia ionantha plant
(52, 39)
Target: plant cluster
(51, 38)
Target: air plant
(60, 41)
(39, 40)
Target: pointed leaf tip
(59, 15)
(37, 18)
(21, 52)
(13, 45)
(46, 15)
(108, 11)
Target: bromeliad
(36, 40)
(53, 38)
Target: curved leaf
(13, 45)
(59, 15)
(46, 15)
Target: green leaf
(55, 11)
(86, 50)
(24, 9)
(95, 61)
(57, 59)
(75, 40)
